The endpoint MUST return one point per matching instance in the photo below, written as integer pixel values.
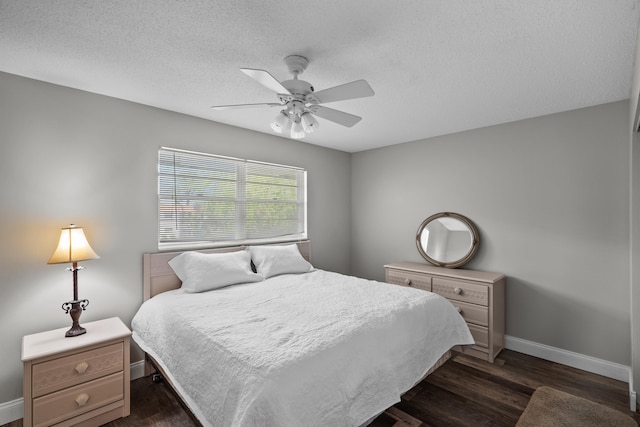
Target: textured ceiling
(437, 66)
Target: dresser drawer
(461, 291)
(480, 335)
(65, 404)
(471, 313)
(405, 278)
(67, 371)
(478, 295)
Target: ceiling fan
(301, 102)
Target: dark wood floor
(463, 392)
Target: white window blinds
(207, 200)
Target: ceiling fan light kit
(309, 123)
(280, 122)
(301, 102)
(297, 131)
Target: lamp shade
(280, 122)
(309, 123)
(297, 131)
(72, 247)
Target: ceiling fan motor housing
(298, 87)
(296, 102)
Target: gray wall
(550, 196)
(70, 156)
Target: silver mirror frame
(457, 263)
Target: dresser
(83, 380)
(477, 295)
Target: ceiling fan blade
(339, 117)
(357, 89)
(228, 107)
(266, 80)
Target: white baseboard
(137, 370)
(11, 411)
(14, 410)
(569, 358)
(575, 360)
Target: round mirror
(447, 239)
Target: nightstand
(78, 380)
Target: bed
(295, 346)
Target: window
(206, 200)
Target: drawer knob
(407, 282)
(81, 367)
(82, 399)
(458, 291)
(459, 310)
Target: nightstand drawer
(65, 404)
(56, 374)
(480, 335)
(472, 313)
(461, 291)
(404, 278)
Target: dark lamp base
(75, 331)
(75, 308)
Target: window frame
(240, 202)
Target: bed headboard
(158, 276)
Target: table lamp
(73, 247)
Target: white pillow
(274, 260)
(201, 272)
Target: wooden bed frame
(158, 277)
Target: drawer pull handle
(81, 367)
(82, 399)
(458, 291)
(459, 310)
(407, 282)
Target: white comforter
(313, 349)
